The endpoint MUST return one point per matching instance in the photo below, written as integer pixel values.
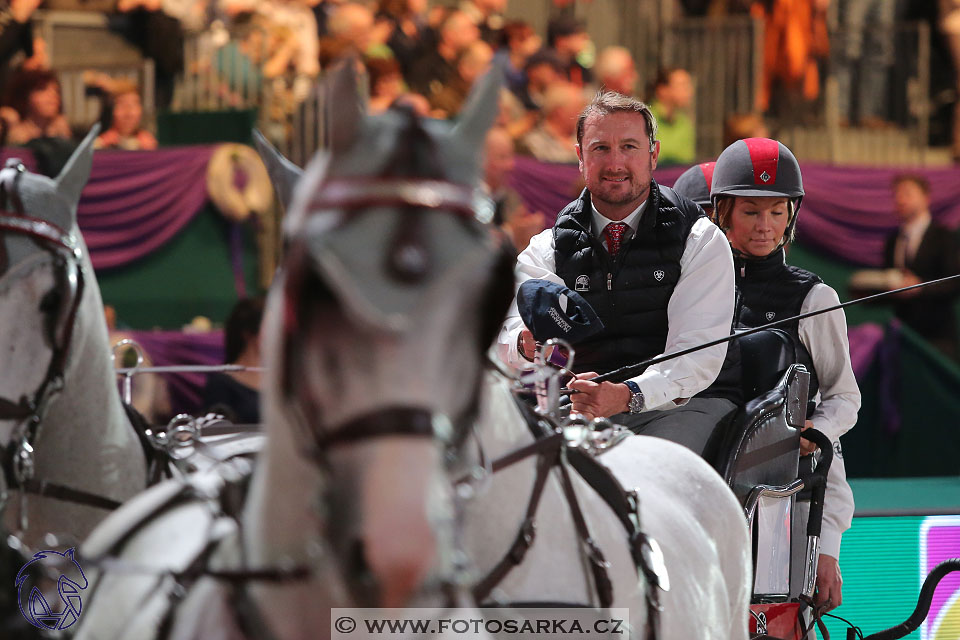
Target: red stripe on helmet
(707, 168)
(764, 154)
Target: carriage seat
(765, 358)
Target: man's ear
(579, 156)
(655, 153)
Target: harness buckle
(524, 540)
(23, 463)
(595, 554)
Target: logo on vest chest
(582, 283)
(771, 315)
(659, 275)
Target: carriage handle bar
(624, 373)
(129, 372)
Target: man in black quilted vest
(658, 273)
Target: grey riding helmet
(694, 183)
(759, 167)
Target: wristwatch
(636, 397)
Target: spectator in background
(672, 99)
(363, 36)
(865, 52)
(555, 138)
(236, 394)
(298, 18)
(488, 16)
(795, 40)
(239, 62)
(615, 71)
(567, 37)
(542, 71)
(408, 19)
(923, 250)
(438, 67)
(508, 209)
(738, 126)
(123, 121)
(472, 64)
(16, 32)
(146, 25)
(949, 19)
(520, 42)
(35, 98)
(386, 83)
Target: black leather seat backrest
(763, 443)
(764, 357)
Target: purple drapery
(136, 201)
(847, 212)
(177, 348)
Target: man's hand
(806, 446)
(909, 279)
(21, 10)
(829, 582)
(598, 400)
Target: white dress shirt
(700, 310)
(825, 337)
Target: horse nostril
(362, 583)
(50, 302)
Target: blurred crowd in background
(426, 55)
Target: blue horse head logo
(34, 607)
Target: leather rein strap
(550, 452)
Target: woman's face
(127, 113)
(757, 224)
(45, 102)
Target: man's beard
(606, 193)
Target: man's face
(909, 200)
(460, 32)
(498, 158)
(616, 162)
(679, 91)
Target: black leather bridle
(28, 411)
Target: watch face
(636, 403)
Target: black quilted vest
(629, 293)
(771, 290)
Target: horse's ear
(481, 108)
(76, 171)
(344, 105)
(283, 173)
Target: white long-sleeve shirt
(825, 337)
(700, 310)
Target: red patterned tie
(614, 232)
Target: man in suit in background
(924, 250)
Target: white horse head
(61, 420)
(375, 332)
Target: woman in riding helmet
(694, 184)
(756, 192)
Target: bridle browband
(28, 411)
(353, 194)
